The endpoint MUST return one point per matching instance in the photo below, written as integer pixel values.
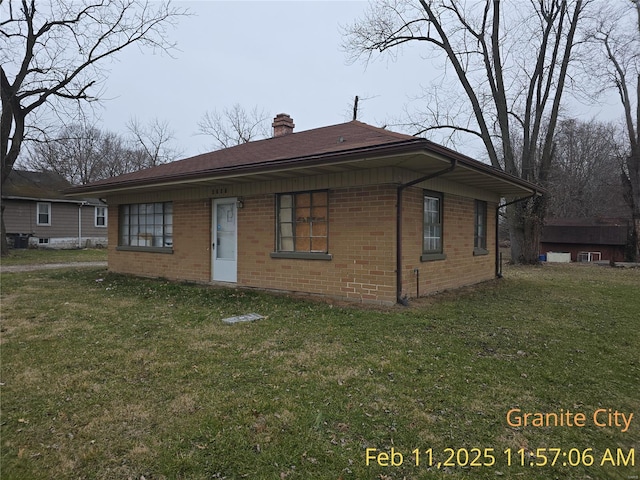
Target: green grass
(111, 377)
(35, 256)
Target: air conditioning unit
(558, 257)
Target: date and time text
(548, 456)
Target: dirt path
(49, 266)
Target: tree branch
(462, 77)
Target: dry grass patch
(183, 405)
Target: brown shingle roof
(311, 148)
(591, 231)
(25, 184)
(318, 142)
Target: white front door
(224, 256)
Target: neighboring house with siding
(348, 211)
(37, 213)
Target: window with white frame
(146, 225)
(432, 229)
(101, 216)
(480, 229)
(43, 214)
(303, 222)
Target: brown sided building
(348, 211)
(587, 239)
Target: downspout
(79, 225)
(80, 205)
(400, 299)
(498, 261)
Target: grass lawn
(32, 256)
(109, 377)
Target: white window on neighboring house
(43, 214)
(101, 216)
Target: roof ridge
(390, 133)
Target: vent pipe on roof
(282, 125)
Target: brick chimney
(282, 125)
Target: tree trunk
(525, 227)
(4, 246)
(631, 193)
(633, 247)
(635, 205)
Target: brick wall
(461, 267)
(361, 241)
(191, 257)
(361, 235)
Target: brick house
(348, 211)
(37, 213)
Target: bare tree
(234, 126)
(618, 33)
(52, 56)
(511, 67)
(82, 154)
(155, 139)
(76, 154)
(584, 180)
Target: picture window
(146, 225)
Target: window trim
(480, 241)
(299, 255)
(302, 255)
(134, 248)
(48, 223)
(144, 248)
(433, 255)
(96, 216)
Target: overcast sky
(281, 56)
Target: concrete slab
(248, 317)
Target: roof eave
(416, 145)
(264, 167)
(476, 165)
